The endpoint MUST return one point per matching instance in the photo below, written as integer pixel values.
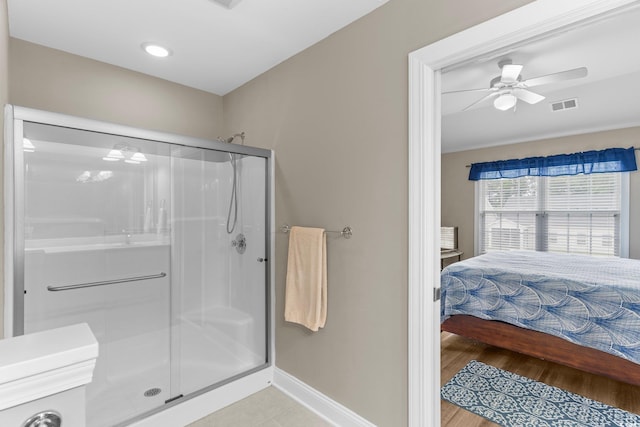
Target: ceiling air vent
(567, 104)
(228, 3)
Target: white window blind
(571, 214)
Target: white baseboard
(317, 402)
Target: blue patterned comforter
(594, 302)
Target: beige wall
(336, 115)
(458, 191)
(56, 81)
(4, 99)
(53, 80)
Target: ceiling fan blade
(481, 100)
(527, 95)
(468, 90)
(510, 73)
(576, 73)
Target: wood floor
(458, 351)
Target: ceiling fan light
(505, 102)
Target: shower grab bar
(104, 282)
(346, 232)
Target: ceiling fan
(508, 87)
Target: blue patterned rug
(511, 401)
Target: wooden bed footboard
(543, 346)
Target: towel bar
(105, 282)
(346, 232)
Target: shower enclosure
(159, 242)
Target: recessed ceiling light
(156, 50)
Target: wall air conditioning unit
(230, 4)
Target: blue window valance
(601, 161)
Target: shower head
(231, 138)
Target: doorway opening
(533, 20)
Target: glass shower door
(97, 250)
(219, 274)
(160, 248)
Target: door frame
(532, 20)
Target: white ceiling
(608, 98)
(215, 49)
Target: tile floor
(267, 408)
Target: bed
(579, 311)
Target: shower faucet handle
(240, 243)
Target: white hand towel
(306, 286)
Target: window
(582, 214)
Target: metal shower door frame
(15, 117)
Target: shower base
(208, 356)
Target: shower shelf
(53, 246)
